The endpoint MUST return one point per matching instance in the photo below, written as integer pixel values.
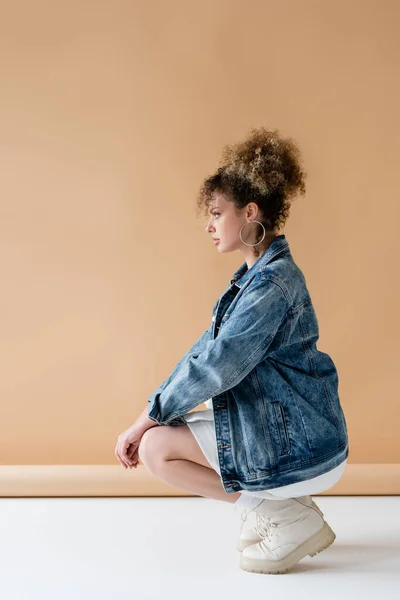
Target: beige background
(111, 114)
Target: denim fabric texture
(277, 412)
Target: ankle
(248, 502)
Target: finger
(121, 452)
(132, 458)
(127, 453)
(124, 457)
(134, 461)
(126, 461)
(121, 460)
(116, 452)
(131, 451)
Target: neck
(248, 251)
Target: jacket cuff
(152, 409)
(154, 413)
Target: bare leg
(173, 454)
(195, 478)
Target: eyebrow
(214, 208)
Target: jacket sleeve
(221, 363)
(195, 349)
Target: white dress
(201, 424)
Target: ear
(252, 209)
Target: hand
(127, 446)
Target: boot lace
(265, 527)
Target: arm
(197, 347)
(223, 362)
(144, 422)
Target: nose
(208, 224)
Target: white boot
(288, 531)
(252, 535)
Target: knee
(150, 448)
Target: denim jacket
(277, 414)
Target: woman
(274, 431)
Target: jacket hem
(300, 471)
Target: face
(225, 222)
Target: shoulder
(267, 287)
(286, 275)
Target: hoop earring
(240, 233)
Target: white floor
(142, 548)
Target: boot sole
(315, 544)
(243, 543)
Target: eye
(216, 213)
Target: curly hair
(266, 169)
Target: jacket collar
(279, 244)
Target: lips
(215, 239)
